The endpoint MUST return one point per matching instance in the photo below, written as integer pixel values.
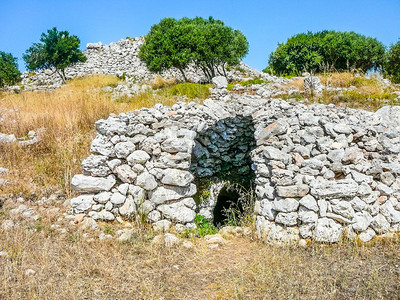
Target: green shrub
(9, 73)
(326, 51)
(392, 66)
(191, 90)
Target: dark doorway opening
(228, 200)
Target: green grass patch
(247, 82)
(362, 81)
(203, 228)
(356, 96)
(191, 90)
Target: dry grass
(67, 116)
(367, 93)
(296, 83)
(68, 266)
(337, 79)
(160, 82)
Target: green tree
(57, 51)
(207, 43)
(327, 51)
(9, 73)
(215, 45)
(392, 65)
(167, 45)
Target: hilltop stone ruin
(318, 171)
(122, 59)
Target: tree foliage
(327, 51)
(9, 73)
(57, 51)
(207, 43)
(392, 65)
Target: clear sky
(265, 23)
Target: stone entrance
(221, 158)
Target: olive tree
(327, 51)
(9, 73)
(57, 51)
(392, 65)
(207, 43)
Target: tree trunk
(183, 74)
(61, 74)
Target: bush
(57, 51)
(208, 43)
(9, 73)
(392, 66)
(326, 51)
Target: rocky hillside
(122, 59)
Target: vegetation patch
(191, 90)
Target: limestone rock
(82, 203)
(177, 177)
(181, 212)
(327, 231)
(167, 193)
(88, 184)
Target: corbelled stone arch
(221, 159)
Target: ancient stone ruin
(122, 59)
(318, 171)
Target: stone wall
(319, 171)
(122, 58)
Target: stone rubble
(318, 170)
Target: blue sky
(265, 23)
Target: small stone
(138, 157)
(380, 224)
(117, 198)
(146, 181)
(285, 205)
(367, 235)
(79, 218)
(214, 239)
(125, 173)
(30, 272)
(177, 177)
(303, 243)
(7, 225)
(162, 226)
(187, 245)
(287, 219)
(292, 191)
(126, 235)
(82, 203)
(327, 231)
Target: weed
(108, 229)
(74, 237)
(203, 228)
(241, 212)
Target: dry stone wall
(319, 172)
